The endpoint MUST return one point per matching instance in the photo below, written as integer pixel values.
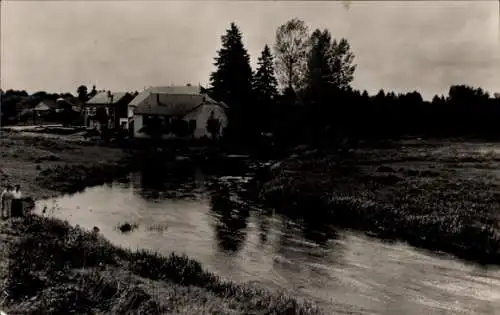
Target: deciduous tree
(342, 64)
(291, 46)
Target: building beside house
(61, 110)
(45, 111)
(179, 111)
(107, 108)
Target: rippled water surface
(344, 272)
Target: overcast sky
(127, 45)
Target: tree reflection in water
(318, 230)
(230, 219)
(159, 178)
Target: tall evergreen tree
(265, 88)
(231, 82)
(264, 80)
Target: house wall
(130, 110)
(120, 111)
(201, 115)
(137, 126)
(114, 113)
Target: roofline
(114, 101)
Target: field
(47, 266)
(438, 195)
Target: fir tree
(265, 90)
(231, 81)
(264, 80)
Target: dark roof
(104, 97)
(179, 90)
(172, 100)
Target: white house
(176, 103)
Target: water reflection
(344, 272)
(153, 177)
(160, 180)
(318, 231)
(230, 219)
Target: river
(344, 272)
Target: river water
(344, 272)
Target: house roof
(179, 90)
(46, 105)
(103, 98)
(171, 100)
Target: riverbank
(50, 266)
(442, 196)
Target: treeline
(316, 102)
(14, 103)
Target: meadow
(440, 195)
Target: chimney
(157, 98)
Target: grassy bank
(46, 167)
(49, 267)
(440, 196)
